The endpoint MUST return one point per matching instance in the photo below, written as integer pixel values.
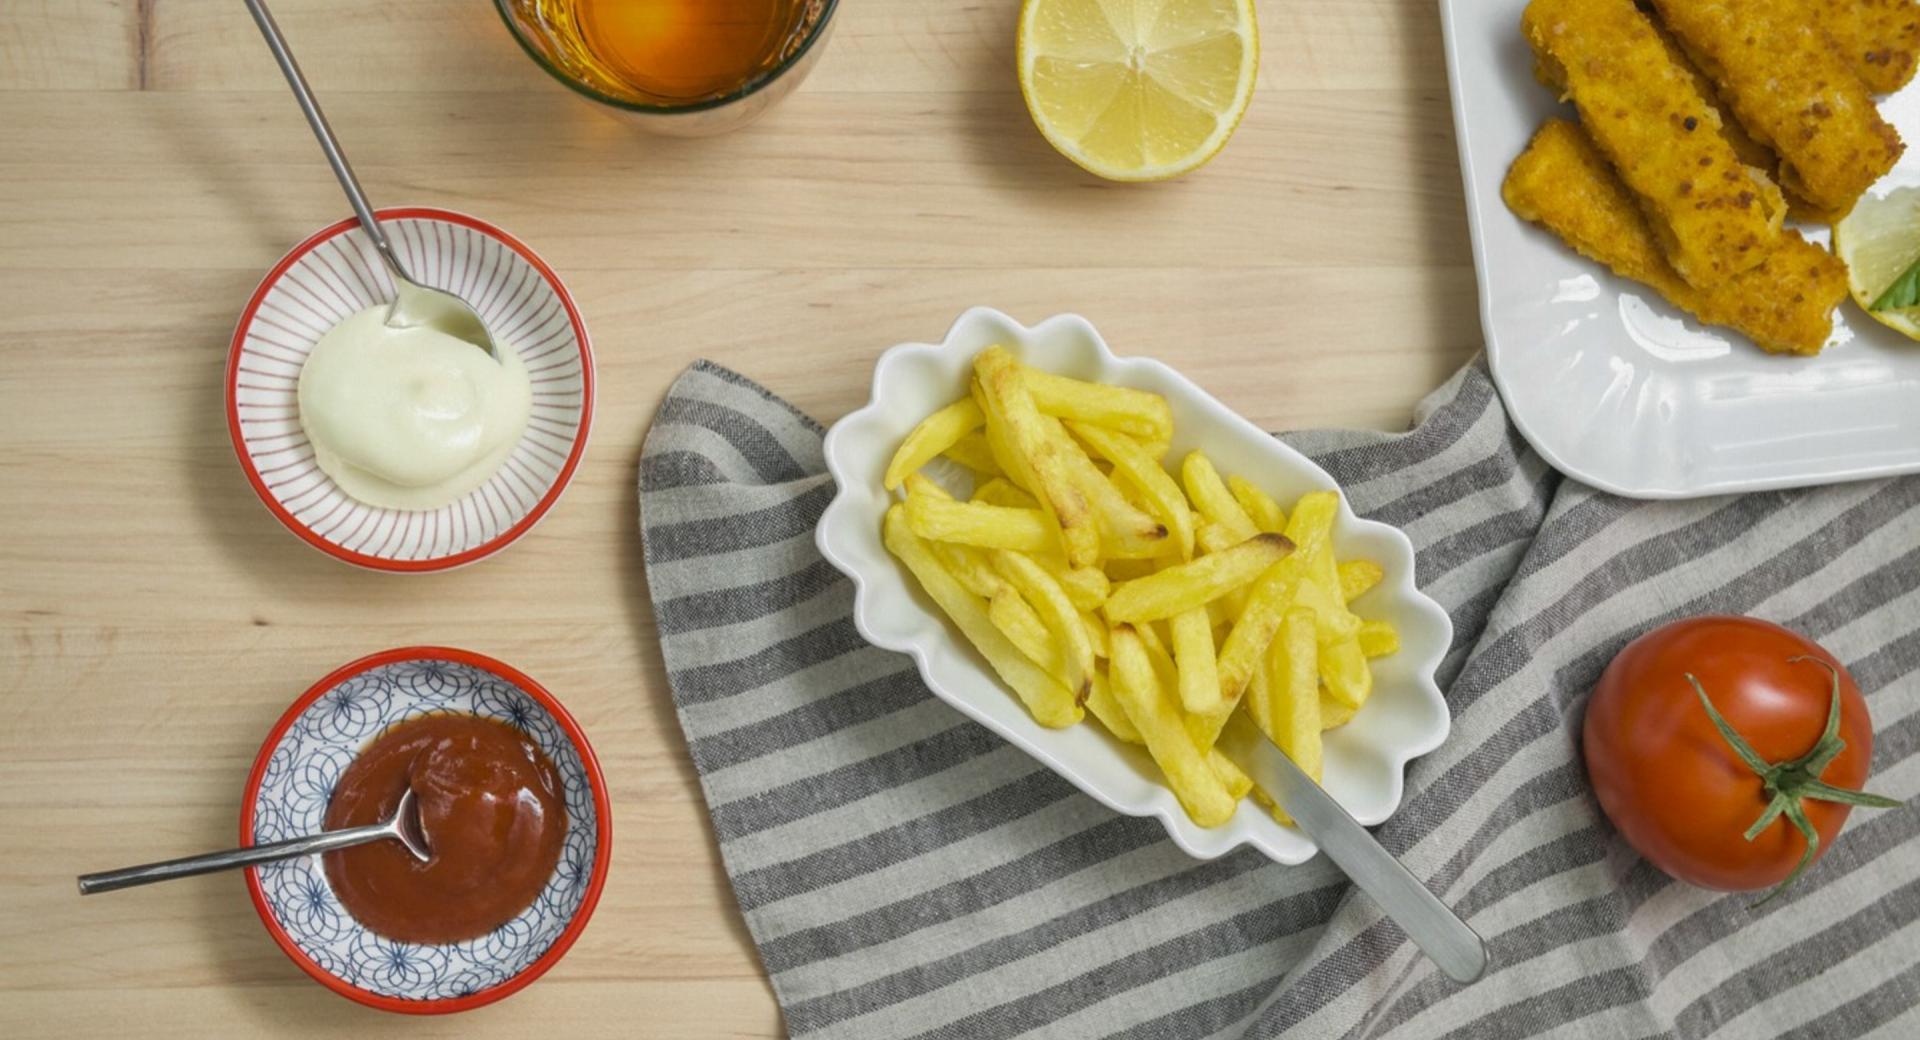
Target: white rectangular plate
(1614, 386)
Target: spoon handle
(292, 848)
(1440, 933)
(318, 120)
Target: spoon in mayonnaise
(414, 304)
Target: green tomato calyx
(1788, 784)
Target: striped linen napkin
(906, 874)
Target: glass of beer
(686, 67)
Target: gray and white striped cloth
(906, 874)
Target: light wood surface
(158, 620)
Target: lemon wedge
(1138, 90)
(1880, 243)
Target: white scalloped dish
(1365, 760)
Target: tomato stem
(1788, 784)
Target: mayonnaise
(409, 418)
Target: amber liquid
(673, 51)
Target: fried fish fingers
(1877, 38)
(1784, 79)
(1563, 183)
(1712, 215)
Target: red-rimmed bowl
(335, 273)
(293, 779)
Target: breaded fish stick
(1877, 38)
(1563, 183)
(1714, 217)
(1785, 80)
(1752, 153)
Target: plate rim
(1450, 12)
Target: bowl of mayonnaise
(405, 448)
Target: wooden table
(152, 166)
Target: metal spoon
(403, 826)
(1432, 925)
(413, 304)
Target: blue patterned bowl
(293, 778)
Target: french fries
(1024, 629)
(971, 451)
(974, 523)
(1009, 404)
(936, 434)
(1095, 581)
(1213, 500)
(1000, 491)
(1137, 688)
(1045, 696)
(1101, 704)
(1184, 586)
(1259, 619)
(1356, 577)
(1143, 472)
(1125, 531)
(1260, 506)
(1193, 654)
(1378, 639)
(1136, 413)
(1283, 700)
(1293, 719)
(1058, 613)
(1087, 587)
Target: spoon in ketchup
(403, 826)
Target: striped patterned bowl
(292, 781)
(336, 273)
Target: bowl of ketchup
(510, 798)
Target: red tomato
(1675, 787)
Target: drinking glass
(679, 67)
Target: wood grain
(157, 620)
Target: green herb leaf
(1903, 293)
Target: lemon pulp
(1879, 241)
(1137, 90)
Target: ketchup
(490, 806)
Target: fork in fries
(1092, 579)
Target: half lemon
(1880, 243)
(1138, 90)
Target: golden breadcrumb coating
(1713, 215)
(1563, 183)
(1877, 38)
(1785, 80)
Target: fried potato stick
(936, 434)
(974, 523)
(1013, 420)
(1051, 703)
(1184, 586)
(1138, 413)
(1141, 469)
(1152, 711)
